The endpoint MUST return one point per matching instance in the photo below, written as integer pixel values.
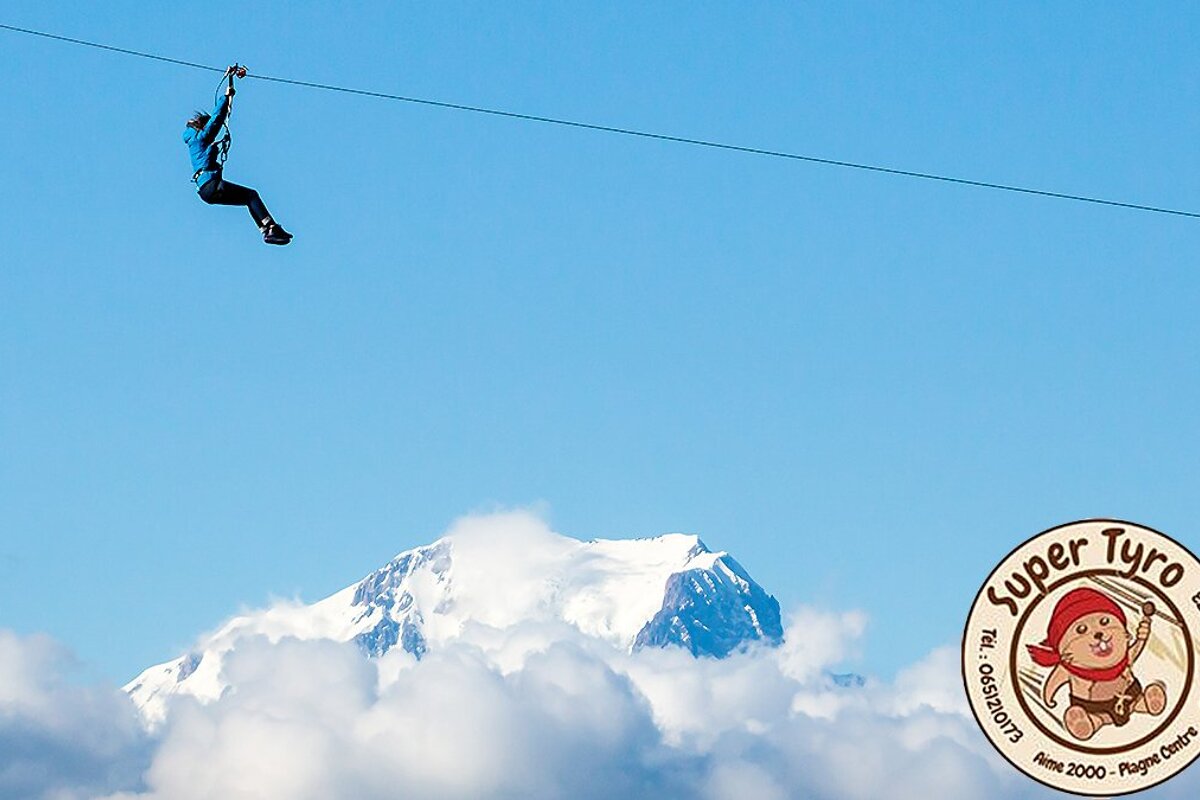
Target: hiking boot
(275, 234)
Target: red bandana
(1074, 605)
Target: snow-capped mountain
(666, 591)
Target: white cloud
(933, 682)
(541, 711)
(502, 564)
(817, 641)
(313, 720)
(60, 741)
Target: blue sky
(866, 388)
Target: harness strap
(196, 175)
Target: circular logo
(1080, 657)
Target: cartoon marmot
(1088, 646)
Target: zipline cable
(630, 131)
(109, 47)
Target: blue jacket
(202, 144)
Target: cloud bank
(524, 713)
(536, 710)
(58, 740)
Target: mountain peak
(668, 590)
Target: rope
(225, 142)
(930, 176)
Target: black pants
(220, 192)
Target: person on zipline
(207, 154)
